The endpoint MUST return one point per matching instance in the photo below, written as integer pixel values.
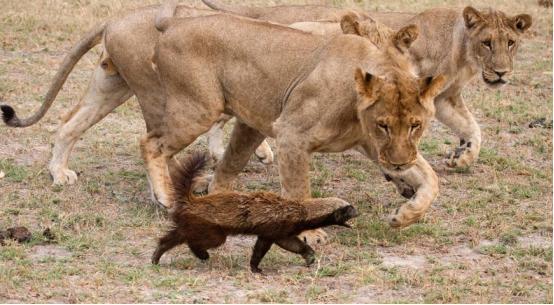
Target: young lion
(204, 222)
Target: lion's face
(394, 113)
(494, 40)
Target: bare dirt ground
(487, 238)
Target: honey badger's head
(329, 211)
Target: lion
(118, 76)
(125, 71)
(316, 95)
(459, 44)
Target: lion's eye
(383, 126)
(416, 126)
(487, 43)
(511, 43)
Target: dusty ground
(487, 238)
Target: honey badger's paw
(62, 176)
(314, 237)
(463, 155)
(264, 153)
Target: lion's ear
(472, 17)
(404, 38)
(366, 87)
(350, 25)
(430, 87)
(521, 22)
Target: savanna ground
(487, 238)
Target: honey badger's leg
(172, 239)
(424, 181)
(201, 253)
(244, 141)
(200, 238)
(452, 111)
(295, 245)
(260, 249)
(106, 91)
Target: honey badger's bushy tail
(185, 175)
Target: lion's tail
(252, 12)
(184, 178)
(86, 43)
(166, 12)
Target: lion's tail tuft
(8, 116)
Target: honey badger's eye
(486, 43)
(511, 43)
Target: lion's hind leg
(188, 114)
(106, 91)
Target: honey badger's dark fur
(205, 222)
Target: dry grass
(488, 237)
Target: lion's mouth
(494, 83)
(397, 168)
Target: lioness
(311, 96)
(120, 74)
(123, 72)
(459, 44)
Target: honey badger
(205, 222)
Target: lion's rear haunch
(8, 116)
(184, 177)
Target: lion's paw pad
(314, 237)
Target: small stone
(47, 233)
(20, 234)
(2, 174)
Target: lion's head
(394, 112)
(494, 40)
(394, 109)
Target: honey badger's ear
(366, 87)
(521, 22)
(350, 25)
(404, 38)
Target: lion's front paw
(62, 176)
(264, 153)
(464, 155)
(403, 218)
(313, 237)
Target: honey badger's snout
(344, 214)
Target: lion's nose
(501, 73)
